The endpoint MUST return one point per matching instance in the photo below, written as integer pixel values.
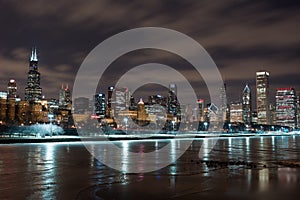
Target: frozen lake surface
(236, 168)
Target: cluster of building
(285, 113)
(119, 109)
(236, 116)
(34, 108)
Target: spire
(247, 89)
(33, 56)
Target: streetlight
(229, 127)
(205, 126)
(173, 125)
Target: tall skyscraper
(3, 107)
(246, 105)
(200, 103)
(33, 90)
(121, 100)
(141, 111)
(12, 89)
(109, 112)
(262, 97)
(223, 105)
(173, 106)
(65, 97)
(286, 107)
(99, 105)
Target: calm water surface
(236, 168)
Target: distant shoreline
(63, 138)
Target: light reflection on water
(41, 171)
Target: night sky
(242, 37)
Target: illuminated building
(11, 89)
(141, 111)
(109, 111)
(33, 91)
(254, 117)
(286, 107)
(173, 107)
(236, 113)
(262, 97)
(272, 114)
(157, 99)
(36, 113)
(223, 107)
(3, 107)
(11, 111)
(23, 112)
(200, 103)
(121, 100)
(65, 97)
(246, 104)
(99, 105)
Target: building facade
(12, 89)
(262, 97)
(286, 107)
(246, 105)
(236, 113)
(65, 97)
(33, 90)
(99, 105)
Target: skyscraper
(223, 105)
(33, 90)
(11, 89)
(99, 105)
(65, 97)
(262, 97)
(173, 106)
(246, 105)
(109, 112)
(141, 112)
(236, 113)
(200, 103)
(3, 107)
(286, 107)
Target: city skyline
(120, 103)
(256, 36)
(33, 66)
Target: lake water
(236, 168)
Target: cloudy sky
(242, 37)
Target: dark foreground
(236, 168)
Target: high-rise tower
(65, 97)
(246, 105)
(262, 97)
(11, 89)
(33, 90)
(286, 107)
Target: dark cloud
(241, 36)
